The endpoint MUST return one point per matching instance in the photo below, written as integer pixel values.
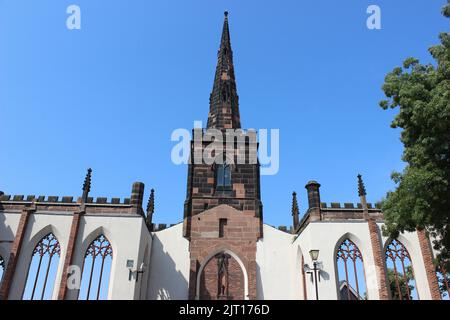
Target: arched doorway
(222, 277)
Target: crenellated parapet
(349, 205)
(336, 211)
(162, 226)
(18, 203)
(285, 229)
(84, 203)
(57, 199)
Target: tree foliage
(421, 93)
(443, 281)
(406, 287)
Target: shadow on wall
(165, 282)
(205, 293)
(259, 286)
(6, 236)
(324, 275)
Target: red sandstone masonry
(69, 254)
(14, 254)
(209, 281)
(429, 265)
(193, 278)
(379, 259)
(205, 241)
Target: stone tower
(223, 209)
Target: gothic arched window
(43, 269)
(223, 176)
(2, 268)
(96, 270)
(400, 273)
(350, 271)
(444, 281)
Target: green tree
(443, 280)
(406, 287)
(421, 93)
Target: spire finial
(150, 208)
(226, 13)
(294, 203)
(151, 202)
(361, 187)
(295, 220)
(86, 185)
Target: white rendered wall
(169, 265)
(127, 234)
(8, 228)
(326, 236)
(38, 226)
(128, 237)
(278, 266)
(144, 257)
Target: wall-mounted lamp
(140, 270)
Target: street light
(314, 254)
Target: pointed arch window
(223, 176)
(43, 269)
(400, 272)
(350, 272)
(96, 270)
(2, 268)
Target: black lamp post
(314, 256)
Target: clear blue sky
(108, 96)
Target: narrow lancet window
(43, 269)
(96, 270)
(223, 176)
(400, 272)
(351, 272)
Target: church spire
(224, 101)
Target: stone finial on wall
(362, 193)
(150, 209)
(361, 187)
(295, 211)
(86, 186)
